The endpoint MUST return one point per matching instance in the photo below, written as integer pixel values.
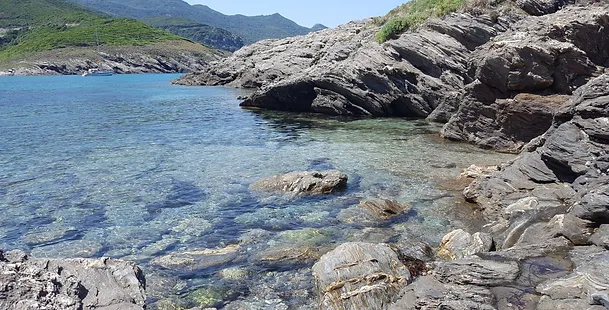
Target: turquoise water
(133, 167)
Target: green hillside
(31, 26)
(197, 32)
(249, 28)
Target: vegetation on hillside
(39, 25)
(413, 13)
(249, 28)
(197, 32)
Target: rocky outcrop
(304, 182)
(166, 57)
(102, 284)
(539, 56)
(567, 166)
(344, 71)
(359, 276)
(498, 77)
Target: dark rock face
(103, 283)
(304, 182)
(504, 125)
(343, 71)
(567, 165)
(542, 7)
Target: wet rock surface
(304, 182)
(28, 283)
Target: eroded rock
(373, 211)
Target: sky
(306, 13)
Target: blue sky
(306, 13)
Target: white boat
(97, 72)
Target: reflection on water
(133, 167)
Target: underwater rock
(373, 211)
(304, 182)
(197, 259)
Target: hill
(29, 27)
(212, 36)
(249, 28)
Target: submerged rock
(63, 284)
(304, 182)
(360, 276)
(373, 211)
(197, 259)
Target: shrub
(412, 14)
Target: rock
(505, 125)
(600, 299)
(373, 211)
(569, 160)
(570, 227)
(288, 258)
(161, 57)
(344, 71)
(428, 293)
(547, 303)
(410, 250)
(589, 277)
(601, 236)
(460, 244)
(476, 172)
(557, 246)
(194, 260)
(62, 284)
(477, 272)
(520, 75)
(304, 182)
(358, 276)
(542, 7)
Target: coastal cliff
(164, 57)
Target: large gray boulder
(359, 276)
(64, 284)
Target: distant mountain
(249, 28)
(212, 36)
(318, 27)
(30, 27)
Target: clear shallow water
(133, 167)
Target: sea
(133, 167)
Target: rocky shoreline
(165, 57)
(533, 83)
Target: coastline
(517, 85)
